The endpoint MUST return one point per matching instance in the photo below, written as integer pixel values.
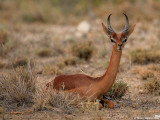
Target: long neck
(110, 75)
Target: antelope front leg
(109, 103)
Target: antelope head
(118, 40)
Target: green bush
(118, 90)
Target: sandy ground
(136, 102)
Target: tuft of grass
(44, 52)
(18, 87)
(3, 37)
(21, 61)
(2, 64)
(148, 72)
(144, 73)
(64, 101)
(7, 43)
(153, 86)
(2, 110)
(52, 70)
(83, 50)
(70, 61)
(145, 56)
(118, 90)
(3, 41)
(67, 102)
(60, 65)
(38, 17)
(151, 76)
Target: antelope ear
(105, 29)
(131, 30)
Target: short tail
(49, 85)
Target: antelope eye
(125, 40)
(112, 40)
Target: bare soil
(136, 102)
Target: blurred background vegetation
(72, 11)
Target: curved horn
(126, 27)
(109, 25)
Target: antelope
(95, 88)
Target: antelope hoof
(110, 104)
(100, 106)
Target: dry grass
(144, 73)
(18, 87)
(52, 70)
(3, 41)
(18, 24)
(63, 102)
(118, 90)
(152, 78)
(83, 50)
(24, 12)
(70, 60)
(20, 61)
(2, 64)
(67, 102)
(153, 86)
(3, 37)
(38, 16)
(148, 72)
(7, 43)
(145, 56)
(2, 110)
(44, 52)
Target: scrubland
(38, 40)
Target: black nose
(120, 47)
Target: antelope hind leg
(109, 103)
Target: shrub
(118, 90)
(83, 50)
(155, 67)
(2, 64)
(44, 52)
(70, 60)
(151, 76)
(7, 43)
(148, 72)
(34, 17)
(3, 37)
(60, 65)
(3, 41)
(145, 56)
(18, 87)
(21, 61)
(63, 101)
(52, 70)
(67, 102)
(153, 86)
(2, 110)
(144, 73)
